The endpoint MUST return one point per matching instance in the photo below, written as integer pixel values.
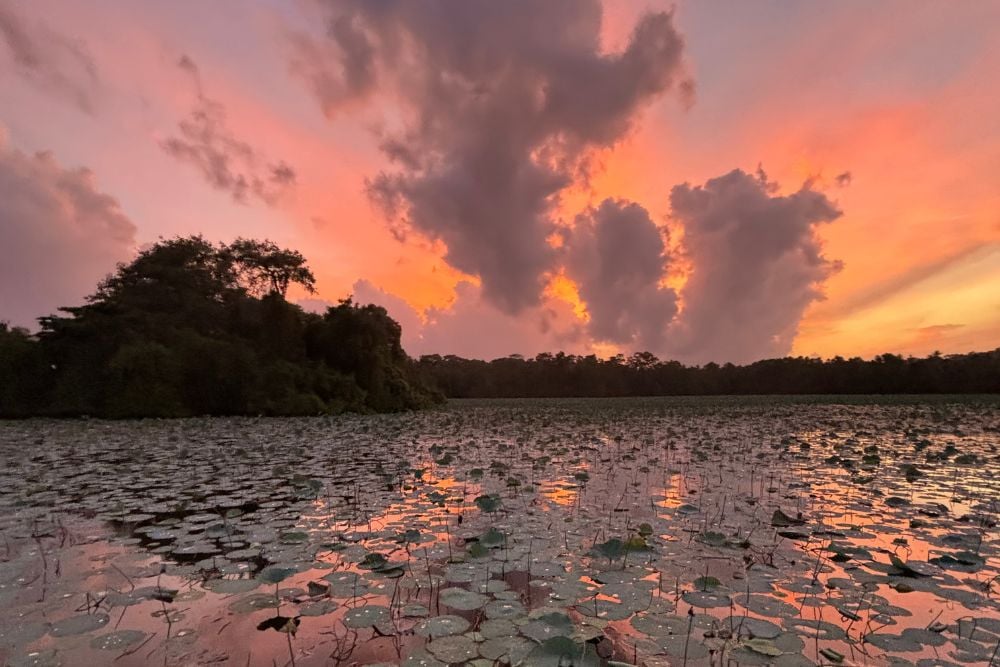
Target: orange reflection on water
(560, 493)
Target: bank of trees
(194, 328)
(643, 374)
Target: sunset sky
(710, 181)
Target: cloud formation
(227, 162)
(756, 265)
(49, 60)
(753, 259)
(617, 257)
(61, 235)
(338, 70)
(473, 328)
(501, 103)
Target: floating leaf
(78, 625)
(489, 503)
(613, 549)
(712, 538)
(366, 617)
(561, 651)
(116, 641)
(492, 538)
(275, 574)
(762, 646)
(459, 598)
(780, 519)
(831, 655)
(704, 583)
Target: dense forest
(194, 328)
(643, 374)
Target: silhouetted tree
(191, 328)
(264, 268)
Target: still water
(566, 532)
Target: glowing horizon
(710, 182)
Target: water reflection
(793, 533)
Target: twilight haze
(709, 181)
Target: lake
(697, 531)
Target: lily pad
(367, 616)
(78, 625)
(118, 640)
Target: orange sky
(901, 97)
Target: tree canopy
(194, 328)
(642, 374)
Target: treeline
(194, 328)
(643, 374)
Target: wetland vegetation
(693, 531)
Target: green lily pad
(459, 598)
(367, 616)
(118, 640)
(453, 649)
(442, 626)
(561, 651)
(707, 599)
(762, 646)
(78, 625)
(275, 575)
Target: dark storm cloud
(756, 265)
(49, 60)
(61, 235)
(501, 101)
(227, 162)
(617, 257)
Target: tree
(642, 374)
(169, 274)
(264, 268)
(192, 328)
(24, 372)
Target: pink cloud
(61, 235)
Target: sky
(708, 181)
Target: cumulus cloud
(617, 257)
(61, 235)
(49, 60)
(756, 265)
(501, 103)
(227, 162)
(500, 106)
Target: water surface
(642, 531)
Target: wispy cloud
(226, 161)
(49, 60)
